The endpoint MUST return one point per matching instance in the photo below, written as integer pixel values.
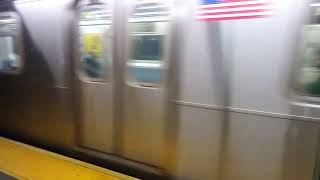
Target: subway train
(166, 89)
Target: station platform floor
(21, 161)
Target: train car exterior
(196, 89)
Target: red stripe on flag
(233, 12)
(234, 6)
(233, 18)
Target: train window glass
(147, 47)
(308, 74)
(147, 52)
(96, 45)
(147, 40)
(9, 58)
(10, 54)
(148, 43)
(94, 52)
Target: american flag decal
(218, 10)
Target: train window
(148, 44)
(95, 44)
(308, 74)
(147, 47)
(147, 40)
(10, 54)
(9, 58)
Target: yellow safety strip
(27, 162)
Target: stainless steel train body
(148, 84)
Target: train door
(11, 50)
(306, 94)
(147, 57)
(95, 74)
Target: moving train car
(186, 89)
